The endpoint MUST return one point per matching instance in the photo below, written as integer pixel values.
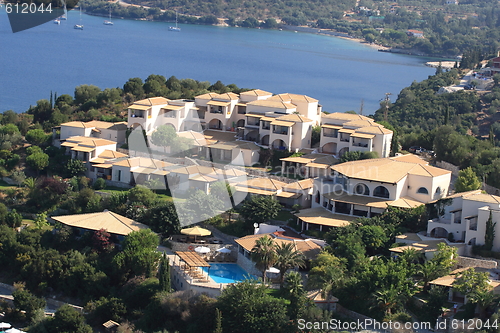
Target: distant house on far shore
(415, 33)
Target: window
(381, 192)
(438, 191)
(362, 189)
(317, 197)
(422, 190)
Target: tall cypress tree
(218, 321)
(489, 235)
(164, 274)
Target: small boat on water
(57, 21)
(79, 26)
(108, 22)
(176, 28)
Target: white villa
(96, 129)
(86, 149)
(343, 132)
(465, 218)
(281, 121)
(365, 188)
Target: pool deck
(181, 280)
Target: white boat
(109, 22)
(176, 28)
(64, 17)
(57, 21)
(79, 26)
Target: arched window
(422, 190)
(362, 189)
(317, 197)
(438, 191)
(381, 192)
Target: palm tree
(293, 284)
(264, 255)
(483, 298)
(387, 298)
(328, 278)
(410, 256)
(427, 272)
(287, 258)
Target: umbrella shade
(202, 249)
(224, 250)
(196, 231)
(5, 325)
(272, 270)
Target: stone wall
(182, 281)
(475, 262)
(448, 166)
(248, 265)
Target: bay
(338, 72)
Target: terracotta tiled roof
(306, 246)
(293, 97)
(152, 101)
(300, 185)
(297, 118)
(386, 170)
(256, 92)
(273, 104)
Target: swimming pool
(227, 273)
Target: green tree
(38, 161)
(471, 282)
(484, 299)
(37, 137)
(489, 235)
(387, 298)
(218, 321)
(85, 93)
(294, 291)
(246, 307)
(68, 320)
(18, 176)
(287, 258)
(41, 220)
(74, 168)
(164, 136)
(14, 219)
(163, 219)
(327, 274)
(260, 209)
(467, 181)
(164, 274)
(139, 255)
(264, 254)
(26, 301)
(142, 194)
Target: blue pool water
(227, 273)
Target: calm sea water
(339, 73)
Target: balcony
(217, 110)
(344, 138)
(137, 115)
(330, 134)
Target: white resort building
(365, 188)
(343, 132)
(464, 215)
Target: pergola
(192, 259)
